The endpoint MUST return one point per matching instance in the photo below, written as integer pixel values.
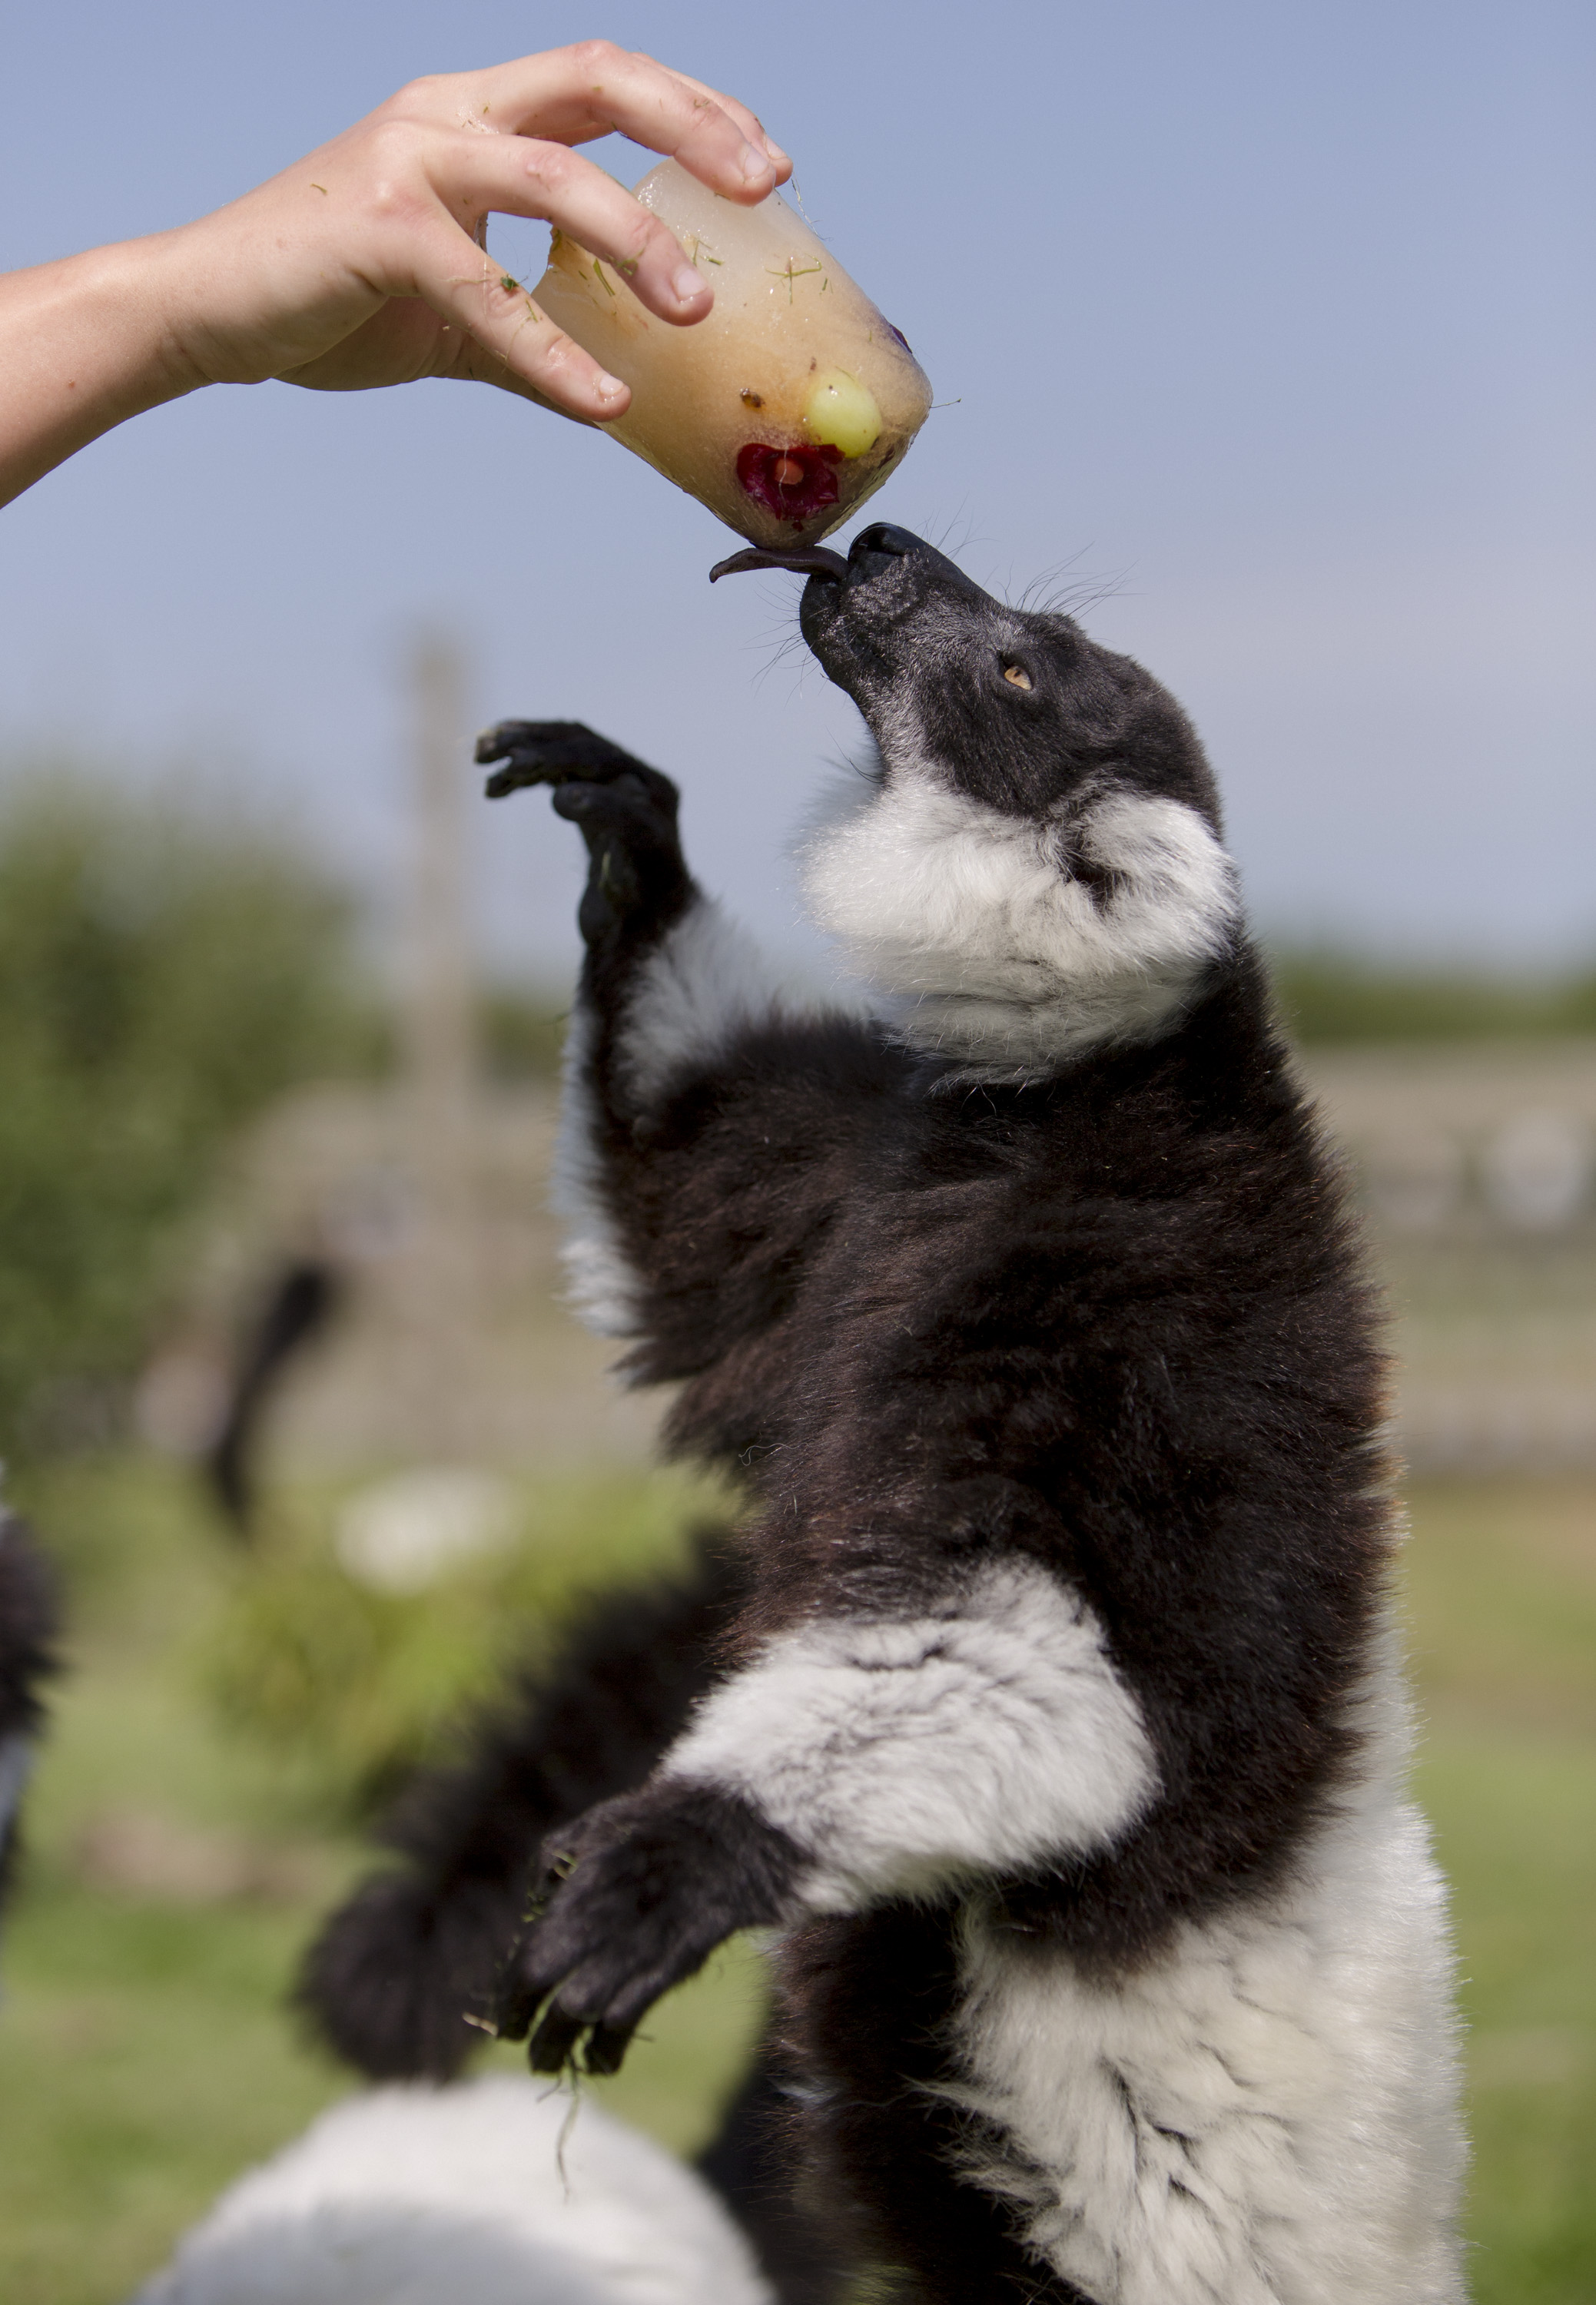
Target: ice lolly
(784, 409)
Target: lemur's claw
(606, 2045)
(511, 2012)
(558, 2045)
(552, 2047)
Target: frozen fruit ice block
(784, 409)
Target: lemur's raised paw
(635, 1896)
(625, 811)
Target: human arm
(361, 264)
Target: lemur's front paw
(635, 1896)
(625, 811)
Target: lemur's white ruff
(981, 944)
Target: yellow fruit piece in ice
(841, 413)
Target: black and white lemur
(1059, 1732)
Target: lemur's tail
(388, 1980)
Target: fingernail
(755, 164)
(607, 385)
(688, 282)
(779, 159)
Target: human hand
(362, 265)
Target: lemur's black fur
(30, 1627)
(1099, 1318)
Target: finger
(507, 736)
(536, 768)
(577, 93)
(518, 175)
(464, 288)
(551, 752)
(751, 125)
(473, 365)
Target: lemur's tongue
(803, 559)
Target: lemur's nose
(875, 547)
(882, 546)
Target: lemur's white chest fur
(1263, 2115)
(982, 944)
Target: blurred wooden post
(442, 1346)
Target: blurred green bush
(164, 974)
(1330, 995)
(348, 1687)
(522, 1032)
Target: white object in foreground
(418, 2195)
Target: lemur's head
(1032, 866)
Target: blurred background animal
(28, 1628)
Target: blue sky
(1274, 323)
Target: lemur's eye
(1016, 676)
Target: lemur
(1060, 1735)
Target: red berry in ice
(794, 483)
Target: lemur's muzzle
(877, 551)
(854, 612)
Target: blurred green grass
(145, 2055)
